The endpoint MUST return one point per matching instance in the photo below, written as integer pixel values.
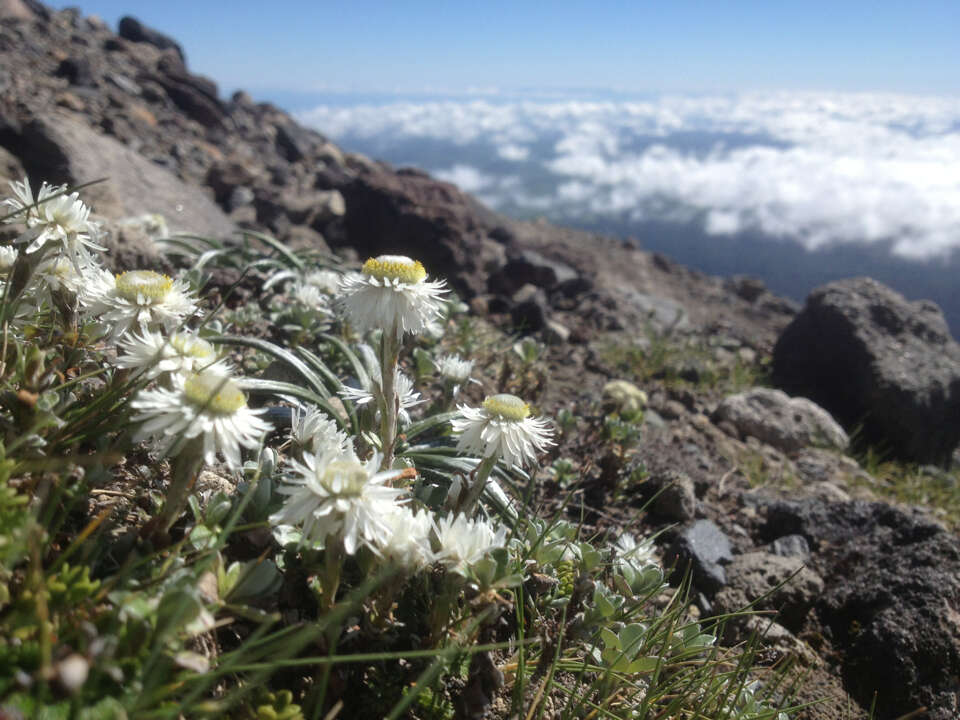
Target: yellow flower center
(395, 267)
(135, 284)
(506, 406)
(214, 393)
(194, 347)
(345, 478)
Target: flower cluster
(143, 313)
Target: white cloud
(465, 177)
(514, 152)
(815, 167)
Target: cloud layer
(814, 167)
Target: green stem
(332, 564)
(389, 356)
(185, 469)
(480, 475)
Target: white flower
(63, 219)
(8, 256)
(310, 296)
(392, 293)
(313, 430)
(455, 369)
(326, 281)
(337, 495)
(182, 352)
(407, 543)
(210, 405)
(401, 383)
(627, 551)
(464, 542)
(502, 428)
(136, 299)
(58, 274)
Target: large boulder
(788, 424)
(409, 213)
(877, 362)
(60, 149)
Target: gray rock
(788, 424)
(790, 546)
(556, 333)
(875, 360)
(530, 267)
(63, 150)
(773, 636)
(771, 582)
(132, 29)
(663, 314)
(78, 71)
(704, 549)
(295, 142)
(672, 496)
(196, 95)
(240, 196)
(15, 9)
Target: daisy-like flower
(181, 352)
(407, 543)
(404, 386)
(454, 369)
(326, 281)
(136, 299)
(310, 296)
(208, 405)
(502, 428)
(337, 495)
(464, 542)
(63, 219)
(313, 430)
(60, 273)
(391, 292)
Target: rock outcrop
(876, 362)
(891, 600)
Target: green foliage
(680, 362)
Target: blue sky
(665, 46)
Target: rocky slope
(756, 487)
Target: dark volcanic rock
(132, 29)
(77, 71)
(891, 600)
(409, 212)
(529, 314)
(872, 358)
(194, 94)
(705, 549)
(531, 267)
